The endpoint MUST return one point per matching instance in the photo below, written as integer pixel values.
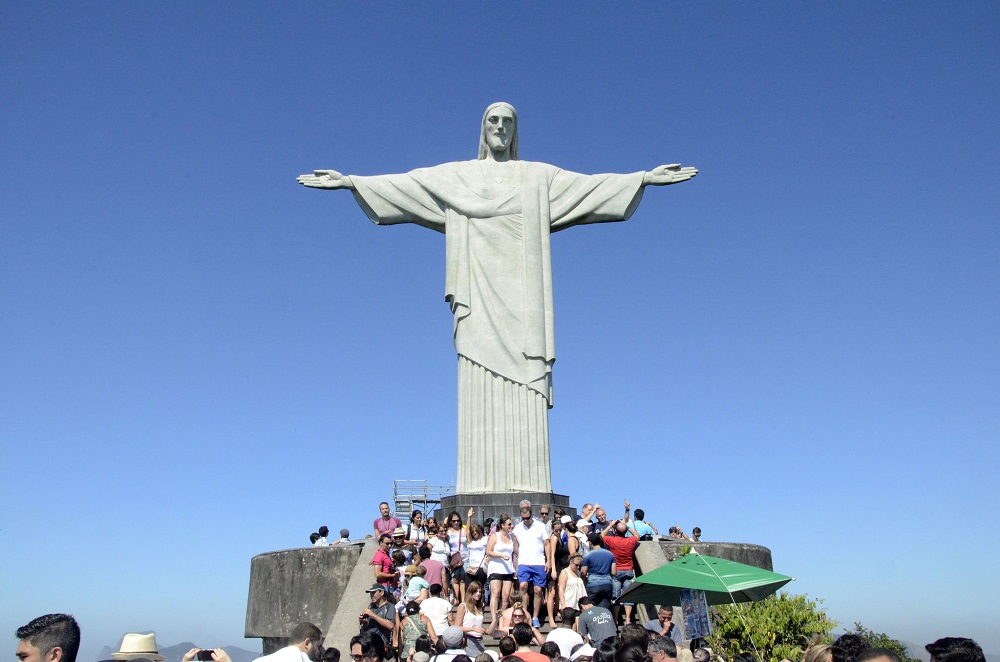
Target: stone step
(493, 642)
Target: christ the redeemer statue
(497, 213)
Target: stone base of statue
(326, 585)
(492, 504)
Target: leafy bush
(781, 627)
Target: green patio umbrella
(723, 582)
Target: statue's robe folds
(499, 286)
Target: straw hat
(138, 646)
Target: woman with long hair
(458, 542)
(416, 532)
(572, 540)
(469, 617)
(476, 570)
(558, 559)
(500, 552)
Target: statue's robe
(499, 286)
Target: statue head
(499, 126)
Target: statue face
(499, 129)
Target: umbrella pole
(739, 612)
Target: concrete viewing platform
(326, 585)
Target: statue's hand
(669, 174)
(330, 179)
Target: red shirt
(385, 561)
(531, 656)
(623, 549)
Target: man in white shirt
(532, 562)
(437, 610)
(305, 644)
(565, 636)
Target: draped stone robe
(499, 286)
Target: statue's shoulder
(450, 168)
(537, 167)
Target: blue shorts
(534, 574)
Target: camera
(205, 655)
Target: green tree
(776, 628)
(881, 640)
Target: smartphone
(205, 655)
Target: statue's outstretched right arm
(386, 199)
(328, 179)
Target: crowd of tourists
(435, 581)
(544, 564)
(56, 638)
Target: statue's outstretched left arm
(668, 174)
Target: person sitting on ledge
(640, 528)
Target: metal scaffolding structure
(408, 495)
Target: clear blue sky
(202, 361)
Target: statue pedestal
(326, 585)
(492, 504)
